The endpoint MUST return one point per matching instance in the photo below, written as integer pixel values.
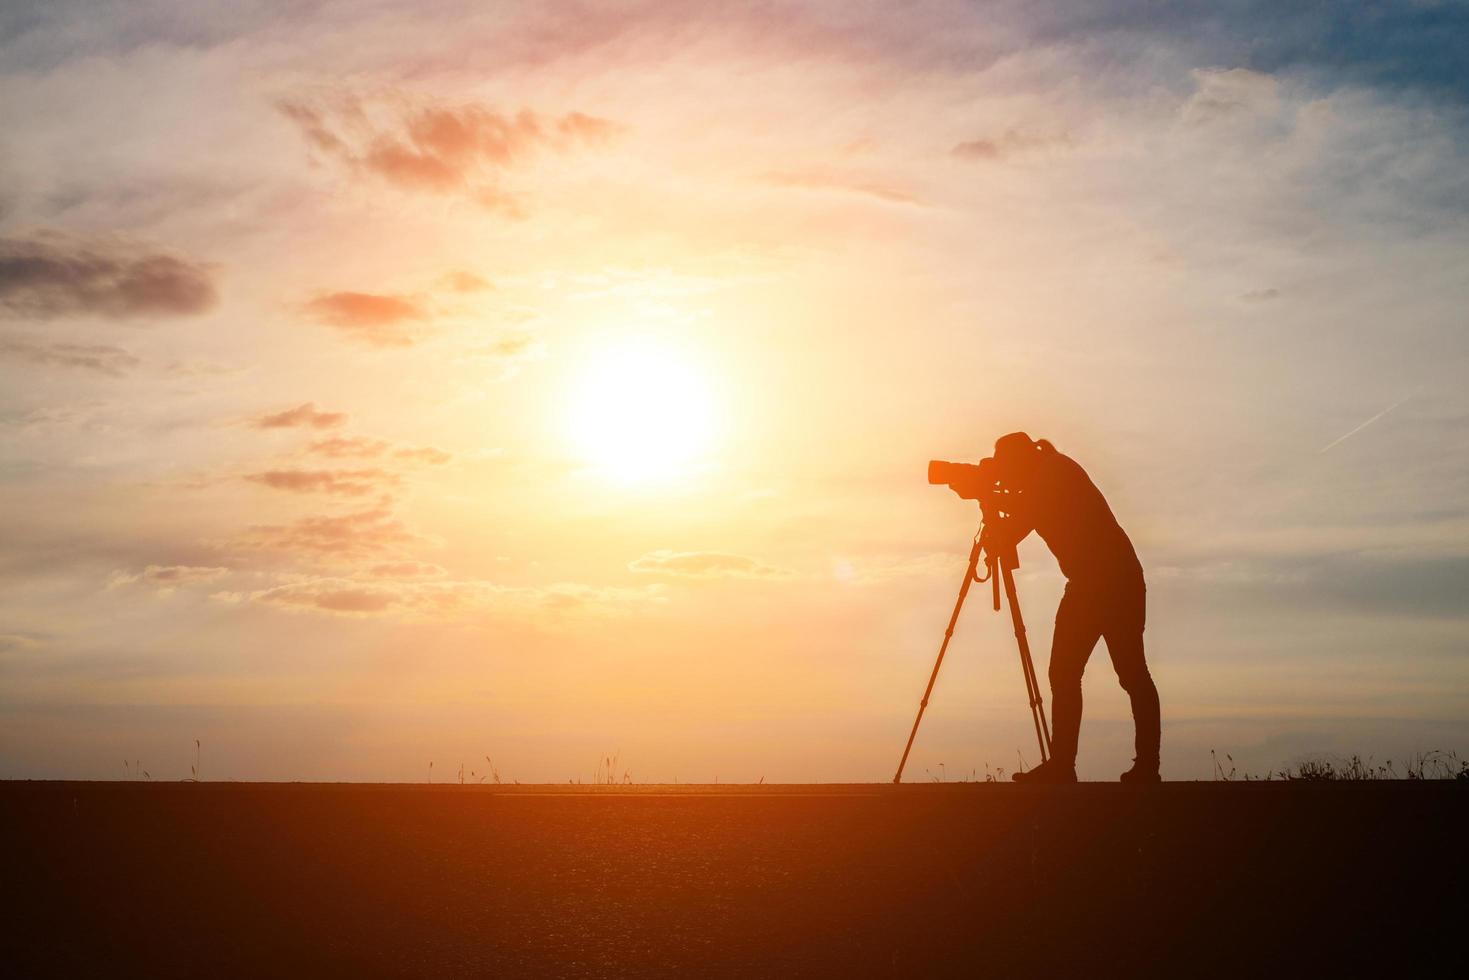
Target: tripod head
(996, 544)
(997, 551)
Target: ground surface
(830, 881)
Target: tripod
(1000, 562)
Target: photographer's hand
(1009, 531)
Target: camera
(968, 480)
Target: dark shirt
(1070, 514)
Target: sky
(386, 385)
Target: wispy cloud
(338, 447)
(423, 454)
(1010, 143)
(50, 275)
(101, 358)
(350, 483)
(375, 319)
(305, 416)
(462, 281)
(362, 447)
(167, 578)
(362, 533)
(1231, 92)
(440, 148)
(406, 569)
(414, 598)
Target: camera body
(969, 480)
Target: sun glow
(643, 413)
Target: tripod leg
(943, 648)
(1027, 666)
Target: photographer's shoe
(1050, 771)
(1142, 773)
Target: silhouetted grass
(996, 775)
(1436, 764)
(607, 775)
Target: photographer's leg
(1071, 646)
(1125, 646)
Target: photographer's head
(1017, 457)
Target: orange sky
(554, 382)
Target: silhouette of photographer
(1038, 489)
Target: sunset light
(798, 489)
(477, 355)
(642, 414)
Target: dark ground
(1185, 879)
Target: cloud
(167, 578)
(589, 130)
(341, 446)
(101, 358)
(1406, 45)
(81, 416)
(822, 180)
(198, 369)
(330, 596)
(440, 149)
(350, 483)
(1012, 142)
(406, 569)
(438, 599)
(515, 345)
(303, 416)
(1343, 581)
(466, 282)
(701, 564)
(359, 534)
(1222, 93)
(510, 352)
(49, 275)
(375, 319)
(424, 454)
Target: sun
(643, 413)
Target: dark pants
(1114, 610)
